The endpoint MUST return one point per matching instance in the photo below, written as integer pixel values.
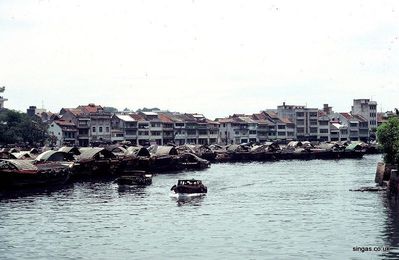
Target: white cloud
(214, 57)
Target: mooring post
(379, 174)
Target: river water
(272, 210)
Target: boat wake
(186, 195)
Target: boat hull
(182, 196)
(14, 179)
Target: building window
(300, 122)
(100, 129)
(202, 132)
(300, 114)
(94, 129)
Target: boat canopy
(137, 151)
(116, 149)
(17, 165)
(189, 182)
(163, 150)
(21, 155)
(95, 153)
(354, 147)
(237, 148)
(72, 150)
(54, 156)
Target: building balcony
(130, 128)
(69, 138)
(180, 137)
(156, 128)
(117, 138)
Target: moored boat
(135, 178)
(24, 173)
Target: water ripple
(276, 210)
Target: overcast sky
(213, 57)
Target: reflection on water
(391, 226)
(188, 200)
(35, 192)
(132, 190)
(274, 210)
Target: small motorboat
(189, 188)
(135, 178)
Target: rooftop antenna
(42, 104)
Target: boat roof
(188, 180)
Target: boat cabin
(189, 182)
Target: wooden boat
(189, 188)
(95, 162)
(135, 178)
(24, 173)
(191, 161)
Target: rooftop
(126, 118)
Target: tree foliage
(19, 128)
(388, 137)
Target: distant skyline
(212, 57)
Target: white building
(305, 120)
(233, 130)
(123, 128)
(62, 133)
(324, 127)
(338, 132)
(367, 109)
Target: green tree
(388, 137)
(18, 127)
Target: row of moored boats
(34, 167)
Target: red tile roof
(64, 123)
(137, 117)
(360, 118)
(346, 115)
(164, 118)
(322, 113)
(90, 108)
(286, 120)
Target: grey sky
(213, 57)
